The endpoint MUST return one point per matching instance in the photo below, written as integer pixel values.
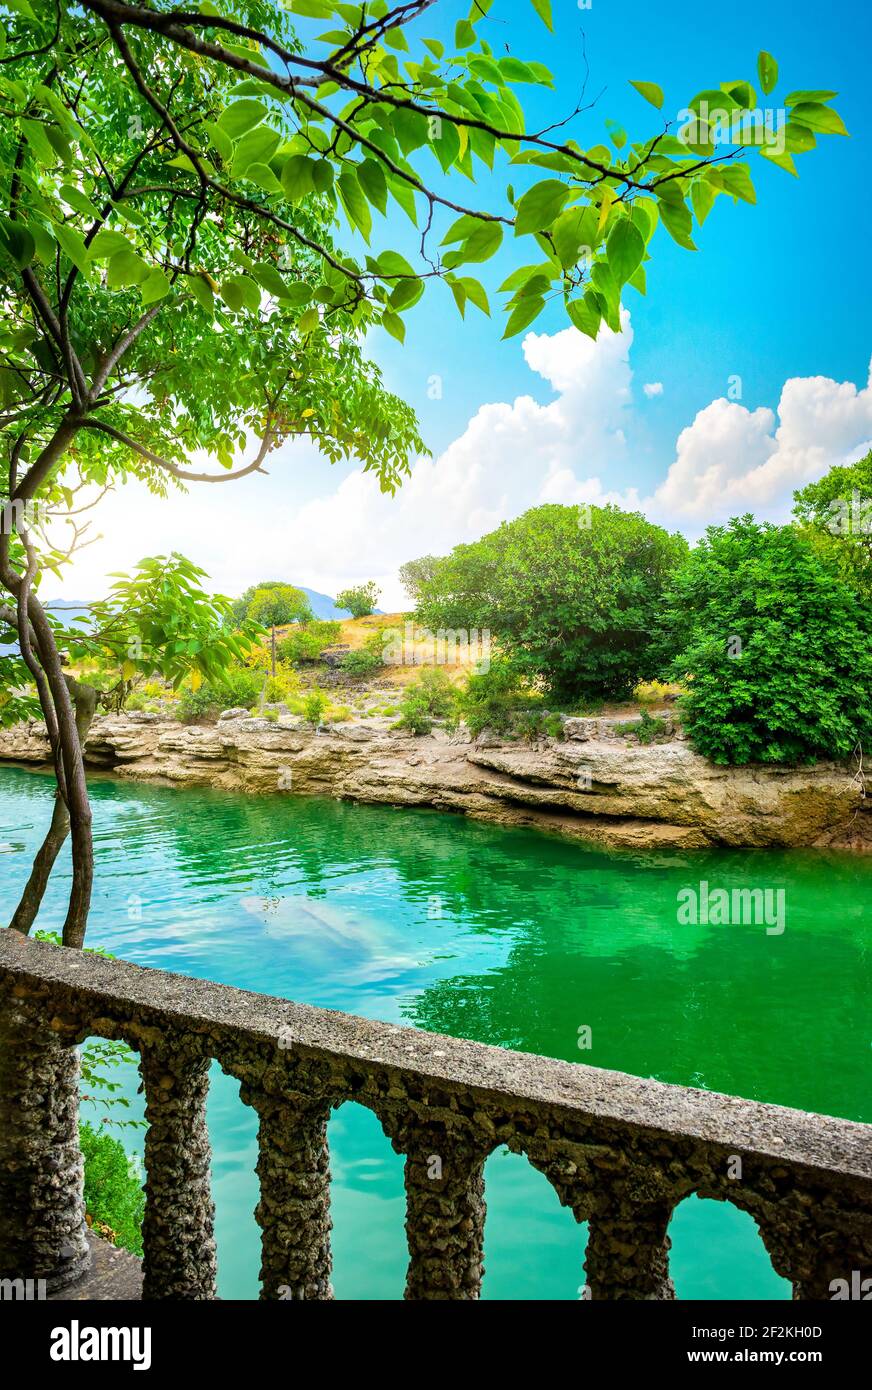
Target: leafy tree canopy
(571, 594)
(276, 605)
(838, 508)
(774, 645)
(360, 600)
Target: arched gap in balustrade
(232, 1127)
(718, 1252)
(111, 1111)
(368, 1205)
(533, 1247)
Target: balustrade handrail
(620, 1150)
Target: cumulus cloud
(511, 456)
(653, 388)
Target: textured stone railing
(620, 1152)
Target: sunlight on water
(504, 936)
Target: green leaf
(126, 268)
(585, 314)
(574, 234)
(263, 176)
(736, 179)
(625, 248)
(476, 293)
(767, 71)
(464, 34)
(702, 196)
(798, 138)
(298, 177)
(108, 243)
(154, 287)
(784, 160)
(818, 117)
(678, 222)
(394, 325)
(17, 242)
(796, 98)
(202, 292)
(543, 10)
(523, 315)
(617, 134)
(651, 92)
(309, 321)
(257, 147)
(540, 206)
(355, 203)
(371, 177)
(73, 246)
(74, 198)
(241, 116)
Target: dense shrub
(365, 660)
(314, 706)
(241, 687)
(114, 1198)
(775, 648)
(431, 696)
(494, 699)
(838, 513)
(308, 641)
(571, 594)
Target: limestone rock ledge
(592, 785)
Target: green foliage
(647, 729)
(306, 642)
(161, 621)
(838, 510)
(360, 600)
(114, 1196)
(277, 605)
(415, 574)
(315, 704)
(240, 687)
(570, 603)
(365, 661)
(774, 646)
(494, 699)
(431, 696)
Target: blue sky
(777, 295)
(776, 290)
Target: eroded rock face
(592, 785)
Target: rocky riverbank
(596, 783)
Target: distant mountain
(323, 606)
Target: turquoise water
(504, 936)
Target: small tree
(774, 646)
(571, 595)
(359, 601)
(278, 605)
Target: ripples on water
(504, 936)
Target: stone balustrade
(620, 1152)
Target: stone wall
(621, 1152)
(594, 784)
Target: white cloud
(653, 388)
(510, 457)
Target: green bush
(114, 1198)
(308, 641)
(571, 596)
(315, 704)
(647, 729)
(775, 648)
(365, 660)
(494, 699)
(240, 688)
(431, 696)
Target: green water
(503, 936)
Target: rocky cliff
(596, 783)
